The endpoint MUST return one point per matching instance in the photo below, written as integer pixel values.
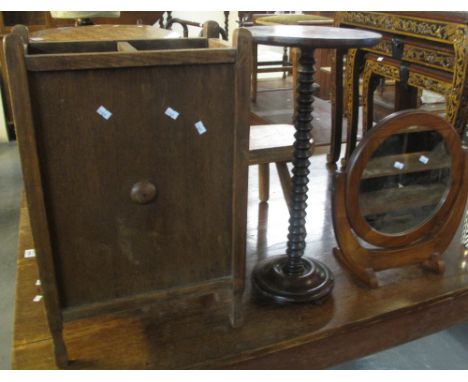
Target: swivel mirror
(401, 197)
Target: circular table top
(103, 33)
(304, 36)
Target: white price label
(424, 159)
(29, 253)
(399, 165)
(103, 112)
(200, 127)
(171, 113)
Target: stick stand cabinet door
(134, 157)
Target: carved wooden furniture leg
(406, 97)
(285, 180)
(368, 90)
(292, 277)
(337, 109)
(352, 101)
(226, 22)
(254, 71)
(264, 181)
(23, 115)
(295, 53)
(285, 60)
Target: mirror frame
(363, 153)
(423, 245)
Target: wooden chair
(272, 143)
(186, 23)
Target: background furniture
(84, 18)
(286, 65)
(186, 23)
(3, 124)
(292, 277)
(39, 20)
(424, 50)
(324, 59)
(272, 143)
(106, 175)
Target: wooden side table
(292, 277)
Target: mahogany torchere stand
(293, 277)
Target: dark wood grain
(113, 59)
(30, 163)
(53, 47)
(313, 36)
(120, 210)
(243, 45)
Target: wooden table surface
(103, 33)
(356, 321)
(306, 36)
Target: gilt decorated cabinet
(134, 155)
(419, 50)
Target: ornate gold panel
(453, 34)
(383, 47)
(429, 57)
(348, 84)
(375, 68)
(411, 26)
(425, 82)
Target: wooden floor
(356, 321)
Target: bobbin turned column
(293, 277)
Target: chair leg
(254, 72)
(285, 180)
(337, 108)
(264, 181)
(295, 53)
(285, 60)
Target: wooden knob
(143, 192)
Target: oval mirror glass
(406, 180)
